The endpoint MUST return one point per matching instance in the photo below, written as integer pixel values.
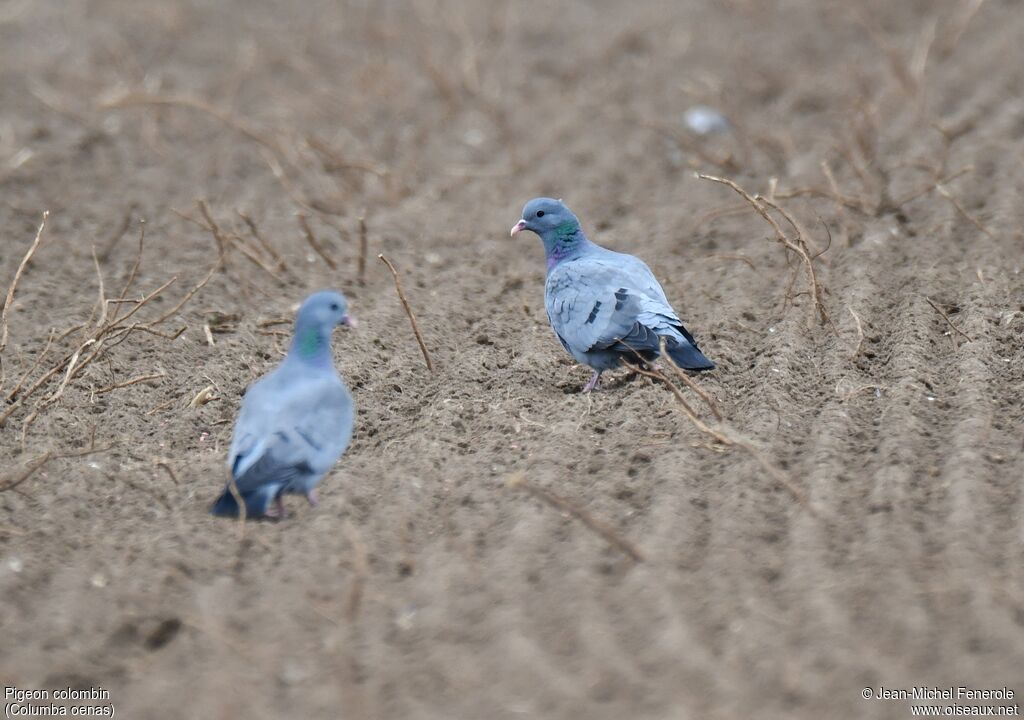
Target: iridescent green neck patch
(567, 229)
(309, 342)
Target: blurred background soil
(423, 586)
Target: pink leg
(276, 511)
(592, 384)
(311, 496)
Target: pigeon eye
(334, 307)
(540, 213)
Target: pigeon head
(326, 310)
(548, 218)
(317, 318)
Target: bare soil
(424, 586)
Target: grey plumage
(604, 306)
(296, 421)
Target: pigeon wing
(286, 433)
(600, 302)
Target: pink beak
(349, 321)
(518, 227)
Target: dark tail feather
(688, 357)
(226, 505)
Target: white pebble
(704, 120)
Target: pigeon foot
(592, 384)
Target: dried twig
(132, 381)
(333, 160)
(14, 283)
(314, 243)
(110, 329)
(360, 570)
(218, 235)
(796, 245)
(39, 462)
(116, 237)
(735, 256)
(728, 440)
(951, 37)
(204, 396)
(135, 266)
(225, 240)
(899, 203)
(600, 527)
(73, 367)
(960, 209)
(860, 333)
(188, 296)
(28, 472)
(231, 121)
(267, 247)
(845, 397)
(949, 322)
(167, 468)
(408, 311)
(35, 364)
(696, 146)
(243, 509)
(166, 403)
(361, 262)
(708, 400)
(718, 212)
(103, 295)
(899, 67)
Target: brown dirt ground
(422, 586)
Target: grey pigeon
(604, 306)
(294, 422)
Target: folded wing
(603, 303)
(285, 435)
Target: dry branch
(360, 568)
(231, 121)
(600, 527)
(897, 204)
(227, 240)
(214, 228)
(102, 291)
(361, 262)
(38, 361)
(43, 459)
(14, 283)
(167, 468)
(135, 266)
(188, 296)
(951, 37)
(267, 247)
(860, 333)
(696, 146)
(708, 400)
(132, 381)
(116, 237)
(408, 311)
(945, 317)
(797, 244)
(110, 330)
(726, 439)
(314, 243)
(960, 209)
(332, 160)
(735, 256)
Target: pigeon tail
(688, 357)
(225, 506)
